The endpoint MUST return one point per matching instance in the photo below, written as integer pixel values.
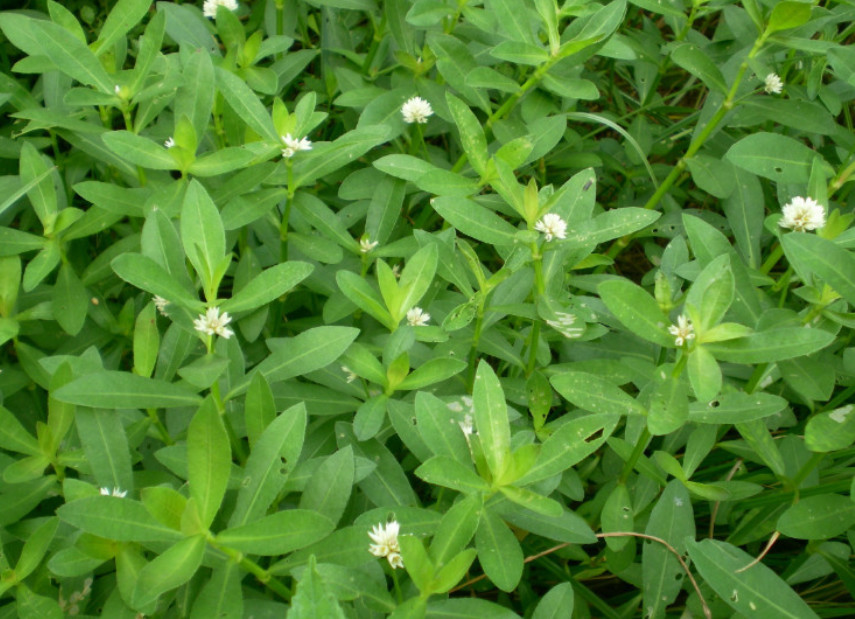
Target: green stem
(158, 424)
(237, 445)
(263, 575)
(772, 260)
(806, 469)
(286, 214)
(539, 289)
(640, 446)
(473, 352)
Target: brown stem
(766, 550)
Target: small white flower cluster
(552, 226)
(366, 245)
(169, 143)
(773, 84)
(416, 110)
(293, 145)
(417, 317)
(385, 544)
(351, 376)
(114, 492)
(683, 331)
(802, 214)
(209, 9)
(71, 605)
(211, 322)
(160, 303)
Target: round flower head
(552, 226)
(211, 322)
(416, 110)
(773, 84)
(366, 245)
(169, 143)
(118, 492)
(385, 544)
(683, 331)
(802, 214)
(293, 145)
(417, 317)
(209, 9)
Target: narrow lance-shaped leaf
(491, 418)
(208, 460)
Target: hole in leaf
(593, 437)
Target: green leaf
(70, 301)
(712, 293)
(109, 389)
(14, 437)
(474, 220)
(35, 548)
(203, 236)
(221, 161)
(824, 259)
(491, 418)
(311, 350)
(818, 517)
(208, 461)
(712, 175)
(469, 608)
(770, 346)
(695, 60)
(443, 471)
(313, 598)
(737, 407)
(499, 552)
(533, 501)
(595, 394)
(148, 275)
(36, 174)
(611, 225)
(636, 310)
(124, 15)
(438, 430)
(672, 520)
(755, 592)
(456, 529)
(326, 158)
(786, 15)
(146, 341)
(221, 596)
(433, 371)
(139, 150)
(106, 447)
(282, 438)
(14, 242)
(245, 104)
(704, 374)
(571, 443)
(773, 156)
(453, 572)
(472, 137)
(417, 562)
(120, 519)
(331, 486)
(267, 286)
(669, 406)
(617, 516)
(278, 533)
(360, 292)
(557, 603)
(832, 430)
(72, 56)
(195, 97)
(370, 416)
(171, 569)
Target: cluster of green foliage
(642, 414)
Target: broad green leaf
(370, 416)
(70, 301)
(595, 394)
(611, 225)
(669, 406)
(456, 529)
(146, 341)
(712, 175)
(786, 15)
(14, 242)
(169, 570)
(755, 592)
(774, 156)
(124, 15)
(472, 137)
(437, 429)
(259, 408)
(245, 103)
(267, 286)
(405, 167)
(32, 606)
(416, 278)
(557, 603)
(165, 504)
(712, 293)
(41, 266)
(282, 438)
(672, 520)
(617, 516)
(469, 608)
(433, 371)
(453, 572)
(203, 235)
(221, 596)
(326, 158)
(443, 471)
(361, 294)
(520, 53)
(474, 220)
(491, 418)
(737, 407)
(148, 275)
(571, 443)
(35, 547)
(208, 461)
(35, 173)
(70, 54)
(14, 437)
(195, 97)
(331, 486)
(818, 517)
(533, 501)
(757, 435)
(311, 350)
(110, 389)
(499, 552)
(221, 161)
(745, 213)
(832, 430)
(140, 150)
(278, 533)
(120, 519)
(636, 310)
(515, 20)
(704, 374)
(696, 61)
(313, 598)
(770, 346)
(827, 261)
(106, 447)
(325, 220)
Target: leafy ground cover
(433, 308)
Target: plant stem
(640, 446)
(158, 424)
(263, 575)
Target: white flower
(385, 544)
(417, 317)
(773, 84)
(211, 322)
(683, 331)
(169, 143)
(552, 226)
(160, 303)
(366, 245)
(115, 492)
(802, 214)
(293, 145)
(350, 374)
(416, 110)
(209, 9)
